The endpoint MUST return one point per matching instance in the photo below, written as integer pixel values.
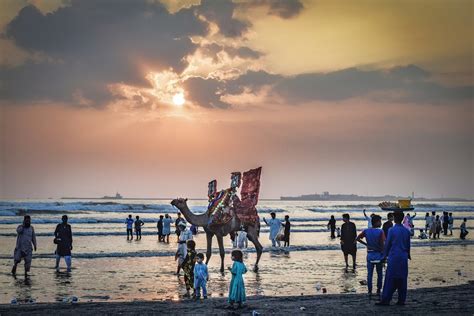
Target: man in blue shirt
(397, 249)
(129, 222)
(374, 240)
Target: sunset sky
(156, 98)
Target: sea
(108, 267)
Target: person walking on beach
(237, 286)
(286, 234)
(25, 243)
(433, 224)
(463, 229)
(188, 266)
(368, 219)
(167, 228)
(437, 227)
(275, 225)
(375, 240)
(445, 223)
(129, 222)
(428, 222)
(201, 276)
(332, 226)
(176, 224)
(450, 223)
(159, 226)
(184, 235)
(63, 240)
(241, 240)
(397, 250)
(348, 240)
(388, 224)
(138, 227)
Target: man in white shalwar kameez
(275, 225)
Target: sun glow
(178, 99)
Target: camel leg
(220, 241)
(209, 246)
(252, 235)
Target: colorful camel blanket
(246, 209)
(219, 207)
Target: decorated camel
(227, 214)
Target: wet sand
(452, 300)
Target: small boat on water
(402, 205)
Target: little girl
(188, 266)
(237, 286)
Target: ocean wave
(96, 255)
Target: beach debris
(74, 299)
(363, 282)
(31, 301)
(318, 286)
(302, 308)
(324, 290)
(255, 313)
(459, 273)
(14, 301)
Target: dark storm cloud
(400, 84)
(221, 13)
(285, 9)
(91, 44)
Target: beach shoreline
(448, 300)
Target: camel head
(179, 203)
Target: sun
(178, 99)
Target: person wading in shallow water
(138, 227)
(348, 240)
(397, 250)
(25, 243)
(63, 240)
(129, 222)
(332, 226)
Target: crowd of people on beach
(386, 243)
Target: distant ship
(116, 197)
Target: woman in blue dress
(237, 286)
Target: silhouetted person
(463, 229)
(388, 224)
(397, 250)
(129, 222)
(445, 223)
(159, 226)
(332, 226)
(348, 237)
(176, 224)
(450, 223)
(138, 227)
(63, 240)
(286, 235)
(25, 243)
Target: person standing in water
(437, 227)
(25, 243)
(397, 250)
(275, 225)
(188, 267)
(388, 224)
(286, 235)
(368, 219)
(167, 228)
(184, 235)
(201, 276)
(332, 226)
(159, 226)
(63, 240)
(129, 222)
(138, 227)
(375, 239)
(348, 240)
(463, 229)
(450, 223)
(445, 223)
(176, 224)
(427, 222)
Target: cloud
(205, 92)
(90, 44)
(213, 50)
(285, 9)
(399, 84)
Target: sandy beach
(451, 300)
